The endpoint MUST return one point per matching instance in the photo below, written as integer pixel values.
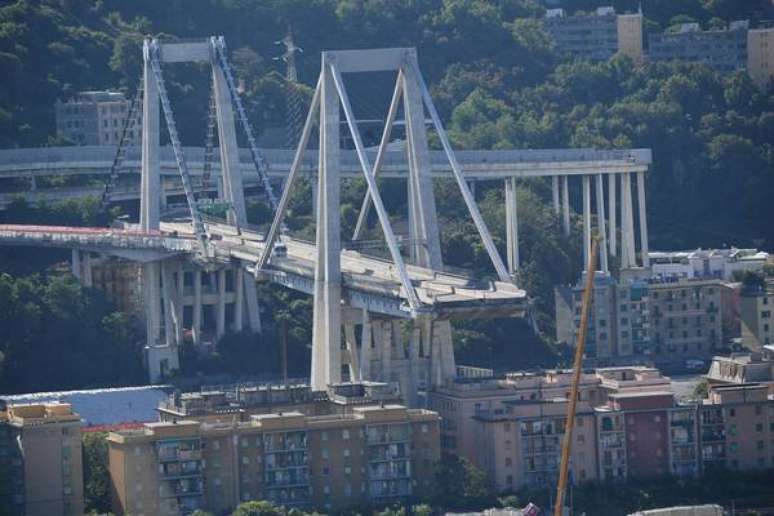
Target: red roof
(111, 428)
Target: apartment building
(743, 368)
(459, 401)
(41, 472)
(521, 447)
(636, 431)
(596, 36)
(706, 263)
(737, 427)
(760, 56)
(725, 50)
(242, 401)
(686, 319)
(643, 318)
(375, 454)
(756, 306)
(96, 118)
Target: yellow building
(629, 27)
(760, 56)
(45, 472)
(373, 454)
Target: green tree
(259, 508)
(96, 478)
(460, 485)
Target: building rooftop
(39, 414)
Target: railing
(281, 158)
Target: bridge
(195, 271)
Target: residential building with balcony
(521, 447)
(41, 471)
(686, 319)
(725, 50)
(239, 402)
(96, 118)
(737, 428)
(597, 36)
(374, 454)
(459, 401)
(760, 56)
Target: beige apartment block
(48, 441)
(760, 56)
(630, 37)
(374, 454)
(458, 402)
(521, 448)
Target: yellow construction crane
(577, 368)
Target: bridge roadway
(476, 165)
(367, 282)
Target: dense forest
(498, 82)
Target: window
(245, 459)
(732, 412)
(759, 445)
(425, 428)
(346, 452)
(759, 427)
(345, 434)
(324, 453)
(766, 314)
(508, 461)
(323, 436)
(734, 447)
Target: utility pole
(294, 101)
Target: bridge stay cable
(470, 202)
(209, 140)
(362, 219)
(261, 165)
(279, 214)
(198, 225)
(373, 189)
(118, 159)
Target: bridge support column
(326, 333)
(220, 315)
(75, 264)
(566, 205)
(33, 183)
(555, 193)
(350, 343)
(251, 298)
(366, 347)
(197, 308)
(152, 301)
(512, 224)
(150, 187)
(628, 256)
(230, 170)
(239, 298)
(601, 223)
(423, 220)
(611, 211)
(643, 219)
(586, 221)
